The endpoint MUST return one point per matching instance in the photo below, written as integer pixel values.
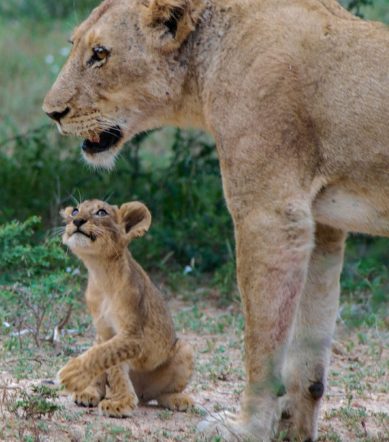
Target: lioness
(137, 352)
(296, 95)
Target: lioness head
(125, 74)
(96, 228)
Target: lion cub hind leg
(175, 401)
(122, 399)
(306, 364)
(92, 394)
(179, 370)
(167, 382)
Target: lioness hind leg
(122, 399)
(306, 364)
(166, 383)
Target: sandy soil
(355, 408)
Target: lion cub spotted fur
(137, 353)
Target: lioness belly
(353, 212)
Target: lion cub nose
(58, 115)
(79, 222)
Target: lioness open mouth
(103, 141)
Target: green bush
(356, 6)
(35, 405)
(38, 283)
(45, 9)
(365, 282)
(190, 220)
(42, 172)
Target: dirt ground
(355, 408)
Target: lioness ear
(167, 23)
(135, 218)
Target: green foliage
(356, 6)
(37, 404)
(20, 260)
(190, 220)
(365, 282)
(37, 282)
(175, 173)
(369, 9)
(45, 9)
(225, 279)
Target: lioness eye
(75, 212)
(100, 54)
(101, 212)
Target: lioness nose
(79, 222)
(58, 115)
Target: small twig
(15, 288)
(9, 387)
(56, 337)
(39, 313)
(39, 361)
(66, 318)
(167, 257)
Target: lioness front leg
(78, 372)
(306, 365)
(274, 239)
(122, 399)
(272, 255)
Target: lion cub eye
(101, 212)
(99, 56)
(75, 212)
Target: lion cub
(137, 353)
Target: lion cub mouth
(103, 141)
(81, 232)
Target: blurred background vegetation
(174, 172)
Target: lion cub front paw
(74, 377)
(118, 407)
(175, 401)
(90, 397)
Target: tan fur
(136, 353)
(295, 93)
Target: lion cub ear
(167, 23)
(135, 218)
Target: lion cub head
(125, 73)
(96, 227)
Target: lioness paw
(90, 397)
(234, 428)
(176, 401)
(118, 408)
(74, 377)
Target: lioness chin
(295, 93)
(137, 353)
